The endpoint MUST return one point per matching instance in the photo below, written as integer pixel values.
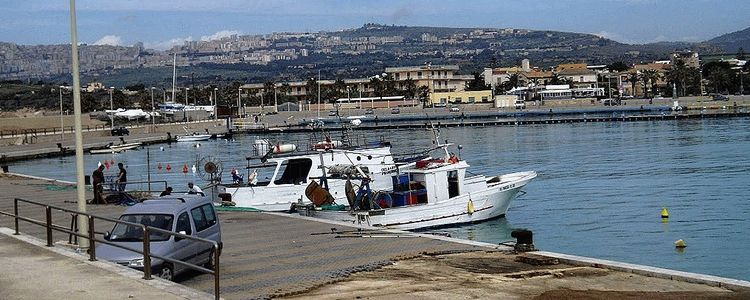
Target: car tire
(166, 272)
(210, 263)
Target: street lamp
(275, 101)
(216, 103)
(239, 102)
(111, 109)
(153, 108)
(186, 104)
(318, 94)
(62, 126)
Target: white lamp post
(275, 100)
(187, 117)
(239, 102)
(62, 126)
(318, 94)
(153, 107)
(216, 103)
(111, 109)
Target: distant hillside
(350, 53)
(731, 42)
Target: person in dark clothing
(122, 177)
(97, 179)
(166, 192)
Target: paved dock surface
(272, 255)
(32, 272)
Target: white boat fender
(470, 207)
(194, 169)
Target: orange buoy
(169, 168)
(185, 169)
(159, 166)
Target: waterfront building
(438, 78)
(690, 58)
(462, 97)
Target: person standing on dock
(122, 177)
(97, 180)
(194, 189)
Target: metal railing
(113, 185)
(91, 236)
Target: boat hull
(488, 203)
(194, 138)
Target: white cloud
(220, 35)
(168, 44)
(112, 40)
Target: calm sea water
(600, 190)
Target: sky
(159, 24)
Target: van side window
(183, 223)
(208, 211)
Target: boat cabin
(430, 182)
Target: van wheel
(166, 272)
(210, 263)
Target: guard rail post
(48, 213)
(146, 253)
(92, 239)
(15, 213)
(216, 271)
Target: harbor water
(600, 190)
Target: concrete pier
(278, 255)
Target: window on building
(458, 99)
(419, 74)
(472, 99)
(485, 98)
(299, 89)
(398, 76)
(581, 79)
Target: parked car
(369, 111)
(720, 97)
(192, 215)
(332, 113)
(120, 131)
(395, 111)
(520, 104)
(454, 109)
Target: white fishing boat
(115, 148)
(435, 193)
(277, 183)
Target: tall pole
(111, 107)
(153, 108)
(83, 224)
(239, 100)
(186, 104)
(275, 100)
(62, 126)
(216, 103)
(318, 94)
(174, 76)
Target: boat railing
(94, 237)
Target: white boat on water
(115, 148)
(278, 183)
(435, 193)
(193, 137)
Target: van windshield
(127, 233)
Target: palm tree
(424, 94)
(410, 88)
(650, 76)
(633, 78)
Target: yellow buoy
(680, 244)
(664, 213)
(470, 207)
